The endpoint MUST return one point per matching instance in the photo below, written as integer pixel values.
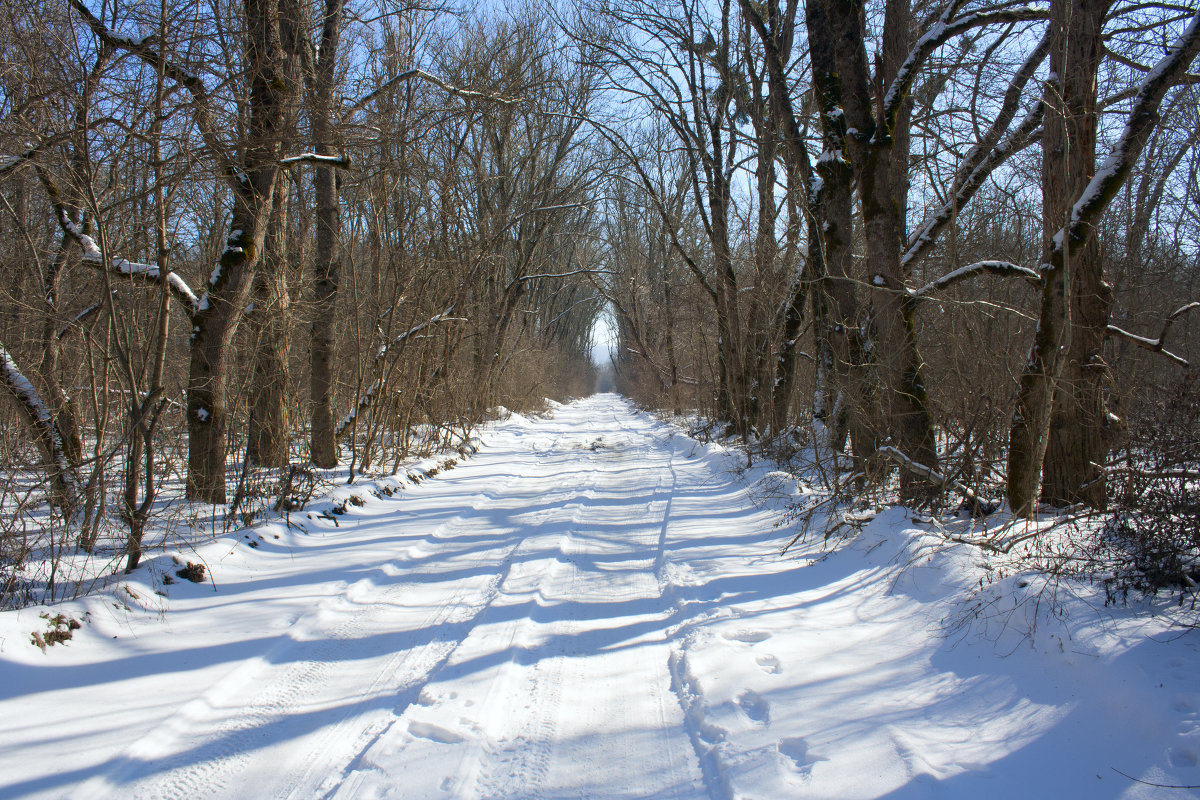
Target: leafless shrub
(1151, 543)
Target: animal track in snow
(749, 637)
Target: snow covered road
(592, 606)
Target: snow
(21, 387)
(23, 390)
(594, 606)
(131, 42)
(919, 52)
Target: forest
(942, 254)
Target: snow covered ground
(593, 606)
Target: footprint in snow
(769, 664)
(749, 637)
(434, 733)
(754, 706)
(794, 750)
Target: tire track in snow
(348, 774)
(518, 756)
(205, 764)
(523, 758)
(552, 657)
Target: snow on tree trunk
(64, 490)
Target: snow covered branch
(1158, 345)
(1142, 120)
(316, 158)
(119, 266)
(368, 397)
(987, 154)
(64, 483)
(977, 506)
(939, 33)
(1002, 268)
(421, 74)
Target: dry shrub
(1153, 538)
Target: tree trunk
(1030, 432)
(323, 445)
(267, 440)
(1044, 412)
(1078, 438)
(833, 207)
(62, 409)
(212, 335)
(216, 321)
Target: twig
(1157, 345)
(1156, 785)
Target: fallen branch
(977, 506)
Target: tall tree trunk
(832, 204)
(1078, 440)
(1029, 434)
(269, 431)
(731, 390)
(211, 353)
(216, 321)
(883, 193)
(328, 267)
(1068, 163)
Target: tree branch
(368, 397)
(63, 480)
(1001, 268)
(342, 161)
(141, 47)
(987, 154)
(1142, 119)
(977, 506)
(420, 74)
(149, 273)
(1158, 345)
(941, 32)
